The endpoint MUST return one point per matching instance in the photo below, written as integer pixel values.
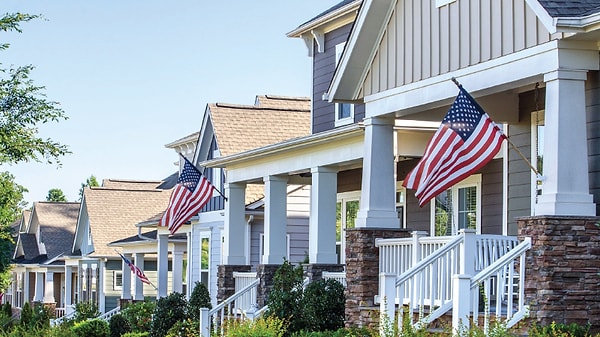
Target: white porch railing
(212, 321)
(107, 315)
(427, 281)
(338, 276)
(243, 280)
(59, 312)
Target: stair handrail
(107, 315)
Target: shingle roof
(113, 213)
(130, 184)
(571, 8)
(57, 221)
(239, 128)
(149, 235)
(281, 102)
(327, 11)
(30, 247)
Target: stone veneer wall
(225, 280)
(314, 271)
(266, 273)
(562, 282)
(362, 273)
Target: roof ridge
(101, 188)
(133, 180)
(57, 202)
(288, 98)
(254, 107)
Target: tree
(23, 107)
(90, 182)
(56, 195)
(11, 207)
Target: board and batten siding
(592, 97)
(323, 117)
(423, 41)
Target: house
(110, 213)
(45, 237)
(228, 129)
(531, 64)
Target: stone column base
(314, 271)
(266, 273)
(562, 281)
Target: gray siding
(218, 202)
(323, 69)
(593, 132)
(423, 41)
(491, 198)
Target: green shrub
(560, 330)
(62, 330)
(137, 334)
(168, 311)
(185, 328)
(139, 315)
(26, 315)
(118, 325)
(286, 295)
(342, 332)
(200, 298)
(91, 328)
(262, 327)
(85, 310)
(7, 310)
(323, 305)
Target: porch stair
(470, 276)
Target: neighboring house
(45, 238)
(110, 213)
(532, 65)
(228, 129)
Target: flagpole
(194, 166)
(507, 139)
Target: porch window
(344, 112)
(205, 258)
(537, 152)
(117, 280)
(401, 203)
(457, 208)
(346, 212)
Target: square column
(126, 278)
(26, 288)
(68, 286)
(566, 185)
(177, 274)
(275, 220)
(321, 232)
(163, 265)
(49, 288)
(139, 285)
(235, 224)
(39, 287)
(378, 191)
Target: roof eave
(331, 16)
(301, 142)
(360, 50)
(578, 24)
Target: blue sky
(135, 75)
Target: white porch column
(565, 190)
(190, 263)
(323, 198)
(177, 274)
(68, 286)
(235, 224)
(26, 288)
(139, 286)
(275, 220)
(163, 265)
(126, 278)
(39, 287)
(378, 192)
(49, 288)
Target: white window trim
(473, 180)
(339, 49)
(204, 235)
(343, 198)
(217, 173)
(534, 138)
(400, 188)
(115, 274)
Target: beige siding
(423, 41)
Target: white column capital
(324, 169)
(566, 74)
(378, 120)
(275, 178)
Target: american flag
(466, 140)
(136, 270)
(190, 194)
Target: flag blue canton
(189, 177)
(463, 116)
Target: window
(344, 112)
(457, 208)
(401, 203)
(117, 280)
(346, 211)
(205, 258)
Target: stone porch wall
(562, 282)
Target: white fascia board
(500, 74)
(333, 15)
(578, 25)
(542, 15)
(209, 217)
(375, 13)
